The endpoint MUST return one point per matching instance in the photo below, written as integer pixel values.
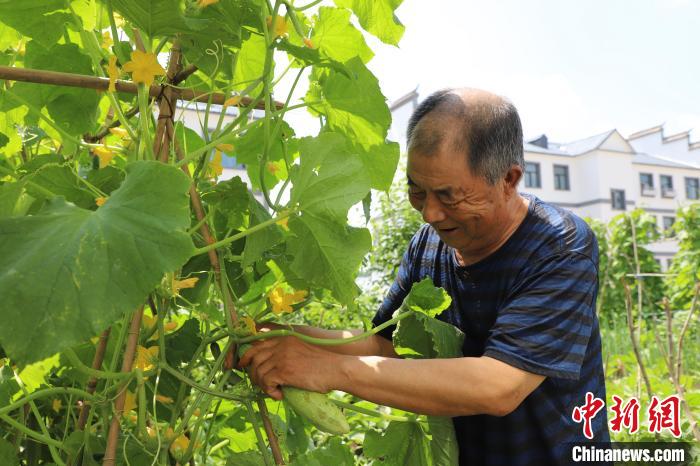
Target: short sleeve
(546, 323)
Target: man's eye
(416, 194)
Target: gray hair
(488, 132)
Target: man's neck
(517, 214)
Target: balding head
(481, 125)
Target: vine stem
(30, 433)
(320, 341)
(92, 383)
(633, 337)
(372, 412)
(43, 394)
(114, 427)
(243, 234)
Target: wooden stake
(57, 78)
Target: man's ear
(511, 180)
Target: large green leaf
(153, 17)
(74, 109)
(426, 298)
(443, 444)
(10, 194)
(377, 17)
(355, 107)
(230, 198)
(8, 454)
(380, 163)
(8, 385)
(263, 240)
(327, 253)
(336, 37)
(250, 63)
(329, 179)
(402, 444)
(333, 452)
(61, 181)
(39, 19)
(69, 273)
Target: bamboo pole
(129, 354)
(58, 78)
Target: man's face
(464, 209)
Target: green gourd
(315, 407)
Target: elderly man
(523, 278)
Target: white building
(606, 174)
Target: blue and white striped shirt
(530, 304)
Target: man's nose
(432, 210)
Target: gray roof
(584, 145)
(571, 148)
(646, 159)
(533, 148)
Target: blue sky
(573, 68)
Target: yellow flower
(282, 302)
(129, 402)
(272, 167)
(100, 201)
(232, 101)
(148, 321)
(107, 41)
(215, 166)
(179, 447)
(113, 73)
(308, 42)
(144, 67)
(182, 284)
(146, 357)
(280, 28)
(250, 325)
(166, 400)
(284, 223)
(120, 132)
(225, 147)
(168, 326)
(105, 155)
(205, 3)
(56, 405)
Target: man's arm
(439, 387)
(445, 387)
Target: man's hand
(290, 361)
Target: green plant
(130, 269)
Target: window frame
(567, 177)
(612, 199)
(666, 191)
(650, 186)
(537, 173)
(697, 188)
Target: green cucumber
(315, 407)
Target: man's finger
(258, 346)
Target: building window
(692, 188)
(646, 182)
(561, 177)
(618, 199)
(668, 225)
(532, 175)
(229, 161)
(666, 182)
